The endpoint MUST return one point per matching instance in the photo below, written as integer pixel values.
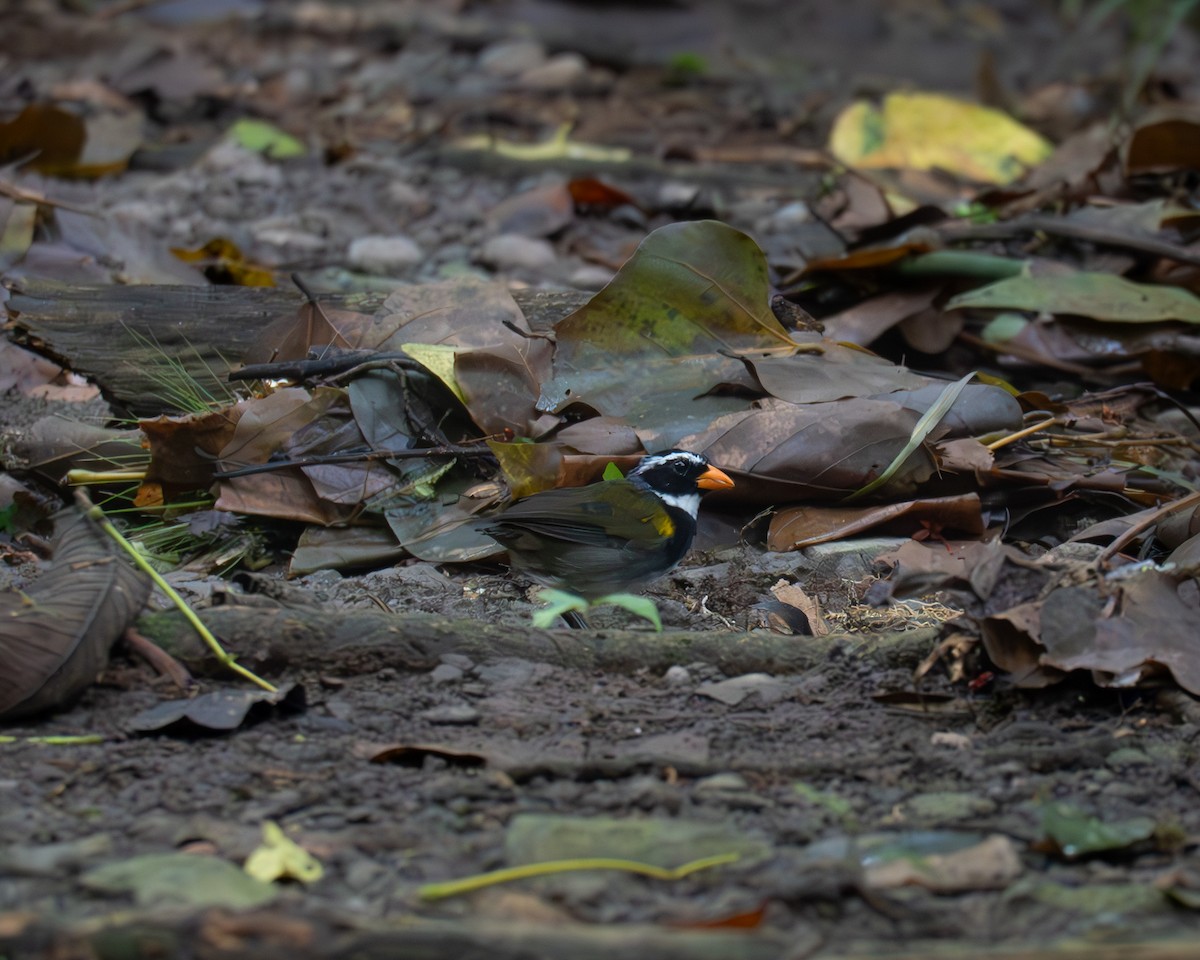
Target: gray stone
(384, 255)
(590, 277)
(444, 673)
(510, 58)
(677, 676)
(452, 714)
(721, 783)
(560, 71)
(511, 251)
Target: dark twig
(363, 456)
(1060, 227)
(335, 365)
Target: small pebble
(561, 70)
(677, 676)
(721, 783)
(510, 58)
(955, 741)
(445, 673)
(384, 255)
(452, 714)
(511, 251)
(590, 278)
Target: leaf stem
(95, 513)
(451, 888)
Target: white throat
(689, 503)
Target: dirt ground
(395, 775)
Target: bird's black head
(679, 473)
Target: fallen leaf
(281, 858)
(990, 865)
(185, 879)
(925, 131)
(217, 712)
(55, 637)
(1075, 833)
(1100, 296)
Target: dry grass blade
(921, 430)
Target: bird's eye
(680, 467)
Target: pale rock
(384, 255)
(677, 676)
(561, 71)
(590, 277)
(511, 251)
(511, 58)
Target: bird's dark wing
(606, 514)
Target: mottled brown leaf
(56, 636)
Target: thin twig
(1060, 227)
(1144, 524)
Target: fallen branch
(355, 642)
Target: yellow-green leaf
(263, 137)
(279, 857)
(927, 131)
(438, 359)
(1101, 296)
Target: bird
(614, 536)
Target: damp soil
(396, 778)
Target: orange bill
(714, 479)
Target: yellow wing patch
(663, 523)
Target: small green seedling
(559, 602)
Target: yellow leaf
(927, 131)
(558, 147)
(279, 858)
(438, 359)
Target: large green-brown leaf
(651, 345)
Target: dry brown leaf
(56, 636)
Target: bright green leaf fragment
(187, 879)
(639, 606)
(1003, 327)
(613, 472)
(1100, 296)
(281, 858)
(559, 602)
(1077, 833)
(266, 138)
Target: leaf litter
(1032, 506)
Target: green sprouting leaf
(266, 138)
(1100, 296)
(557, 603)
(639, 606)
